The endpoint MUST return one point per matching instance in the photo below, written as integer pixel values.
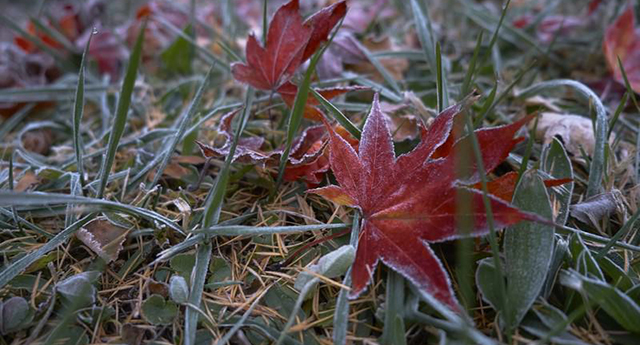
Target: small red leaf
(290, 42)
(270, 67)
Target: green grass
(121, 154)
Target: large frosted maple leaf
(409, 201)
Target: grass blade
(58, 57)
(244, 317)
(181, 125)
(40, 199)
(493, 242)
(337, 114)
(341, 314)
(78, 109)
(122, 110)
(211, 217)
(198, 278)
(425, 33)
(468, 77)
(388, 78)
(245, 230)
(21, 264)
(295, 117)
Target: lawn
(319, 172)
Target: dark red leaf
(410, 201)
(322, 22)
(270, 67)
(290, 42)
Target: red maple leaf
(290, 42)
(622, 40)
(409, 201)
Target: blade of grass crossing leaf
(52, 32)
(78, 109)
(213, 207)
(296, 114)
(17, 266)
(265, 23)
(341, 314)
(337, 114)
(493, 242)
(182, 128)
(597, 163)
(216, 195)
(122, 110)
(246, 230)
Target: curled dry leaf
(308, 160)
(247, 149)
(409, 201)
(313, 162)
(103, 237)
(574, 131)
(597, 207)
(622, 40)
